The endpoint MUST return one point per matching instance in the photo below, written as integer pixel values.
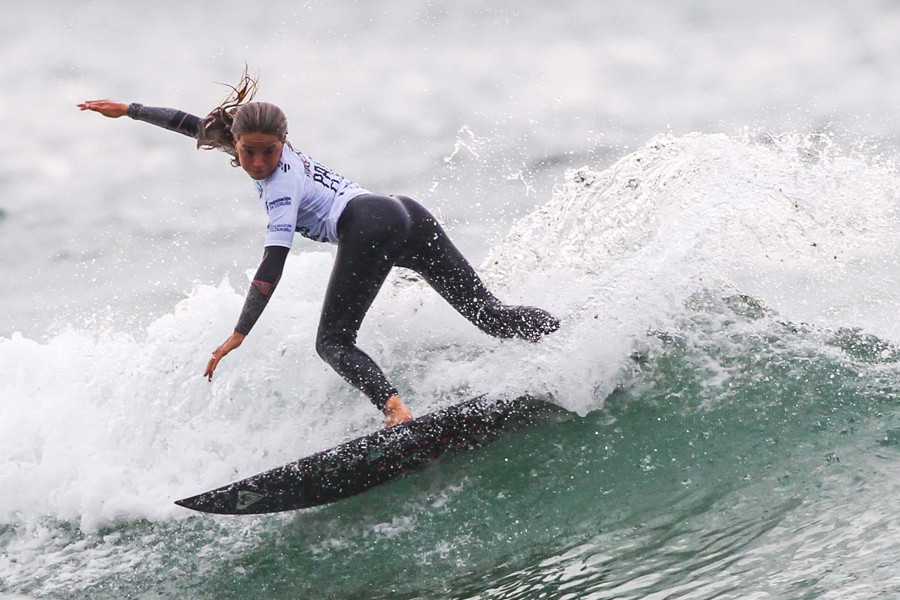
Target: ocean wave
(708, 285)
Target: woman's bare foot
(395, 412)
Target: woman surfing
(373, 234)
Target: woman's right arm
(167, 118)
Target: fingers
(211, 366)
(105, 107)
(92, 104)
(219, 353)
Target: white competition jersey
(304, 196)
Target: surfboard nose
(360, 464)
(219, 501)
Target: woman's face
(259, 153)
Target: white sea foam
(98, 427)
(808, 229)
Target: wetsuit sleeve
(267, 277)
(167, 118)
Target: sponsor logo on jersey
(280, 228)
(286, 201)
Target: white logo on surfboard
(246, 498)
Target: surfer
(373, 233)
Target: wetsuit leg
(372, 232)
(431, 253)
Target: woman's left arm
(264, 283)
(167, 118)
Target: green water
(746, 457)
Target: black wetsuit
(376, 233)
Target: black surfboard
(365, 462)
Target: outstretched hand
(230, 344)
(107, 108)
